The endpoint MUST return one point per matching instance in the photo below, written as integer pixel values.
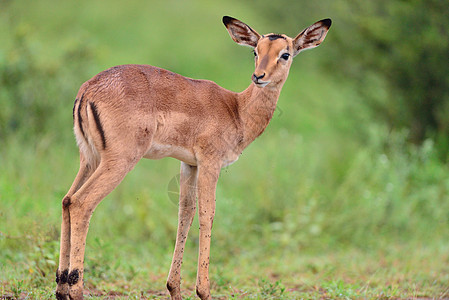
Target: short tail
(89, 131)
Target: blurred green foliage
(406, 43)
(334, 178)
(32, 88)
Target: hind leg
(62, 289)
(106, 177)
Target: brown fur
(131, 112)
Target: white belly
(158, 151)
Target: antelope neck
(256, 108)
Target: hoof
(75, 282)
(203, 294)
(76, 293)
(62, 292)
(62, 296)
(175, 291)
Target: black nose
(256, 78)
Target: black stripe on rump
(80, 119)
(73, 112)
(98, 123)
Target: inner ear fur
(241, 33)
(312, 36)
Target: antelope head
(274, 52)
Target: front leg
(187, 207)
(207, 183)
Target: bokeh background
(345, 195)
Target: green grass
(276, 234)
(328, 203)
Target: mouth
(260, 83)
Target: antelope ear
(312, 36)
(241, 33)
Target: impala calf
(131, 112)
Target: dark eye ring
(285, 56)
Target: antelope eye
(285, 56)
(254, 52)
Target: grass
(344, 274)
(305, 245)
(327, 204)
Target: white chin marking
(261, 84)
